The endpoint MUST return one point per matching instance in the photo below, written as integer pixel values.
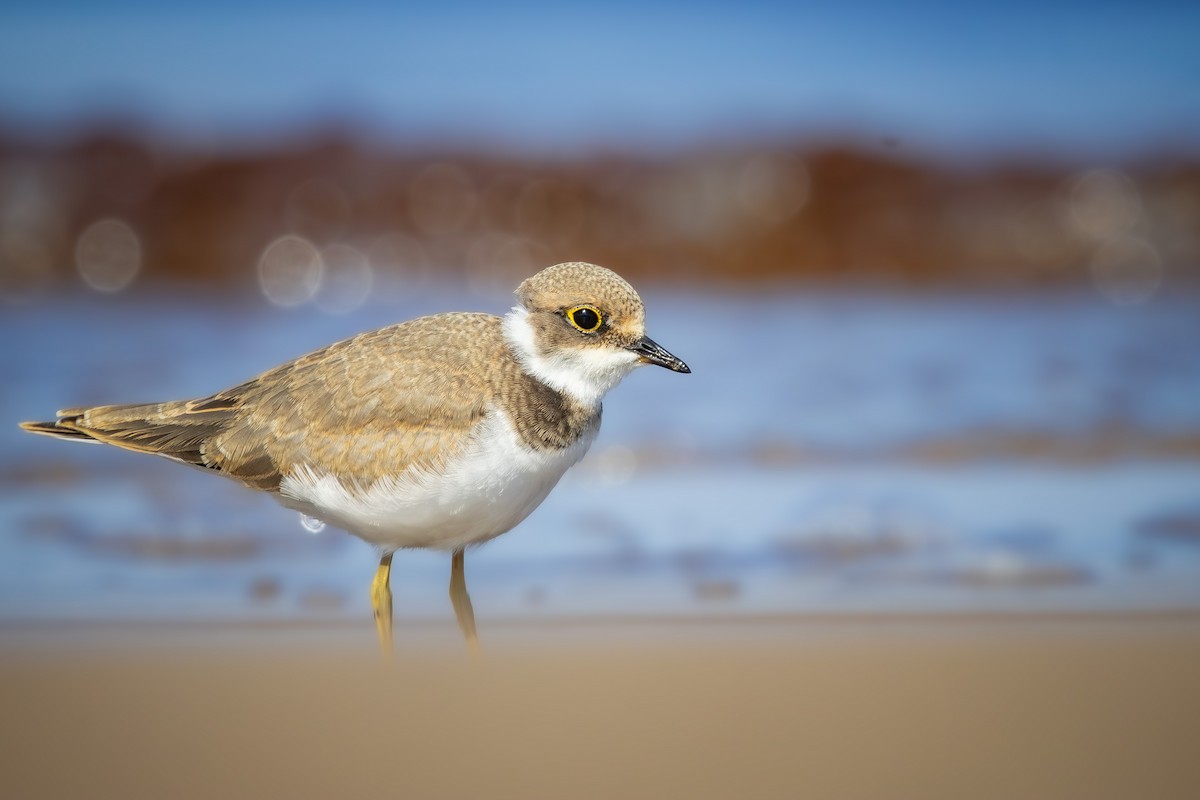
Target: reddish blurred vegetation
(865, 216)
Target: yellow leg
(381, 602)
(462, 603)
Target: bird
(441, 432)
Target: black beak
(651, 352)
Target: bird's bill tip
(651, 352)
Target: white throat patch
(583, 373)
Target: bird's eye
(585, 318)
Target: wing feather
(373, 405)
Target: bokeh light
(1126, 270)
(771, 190)
(289, 271)
(108, 255)
(1104, 203)
(346, 279)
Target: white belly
(492, 486)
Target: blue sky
(953, 76)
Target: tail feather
(60, 429)
(177, 430)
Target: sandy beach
(1064, 707)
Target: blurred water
(830, 453)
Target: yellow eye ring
(587, 319)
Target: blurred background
(935, 268)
